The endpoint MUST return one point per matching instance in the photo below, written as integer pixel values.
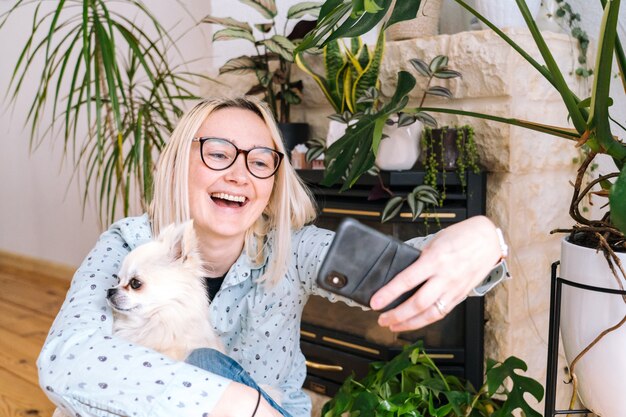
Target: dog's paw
(275, 393)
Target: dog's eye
(134, 283)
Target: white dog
(161, 300)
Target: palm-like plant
(106, 88)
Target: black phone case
(361, 260)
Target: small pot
(400, 150)
(445, 159)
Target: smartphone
(361, 260)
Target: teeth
(229, 197)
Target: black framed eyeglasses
(219, 154)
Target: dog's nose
(111, 292)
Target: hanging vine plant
(448, 149)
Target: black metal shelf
(460, 204)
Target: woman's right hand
(239, 400)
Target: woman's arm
(452, 264)
(83, 367)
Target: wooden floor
(28, 304)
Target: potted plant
(351, 85)
(411, 384)
(600, 369)
(447, 149)
(108, 90)
(272, 63)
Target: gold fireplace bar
(308, 334)
(324, 367)
(440, 355)
(350, 345)
(361, 348)
(368, 213)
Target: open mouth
(229, 200)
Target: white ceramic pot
(505, 13)
(335, 131)
(400, 150)
(585, 314)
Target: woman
(224, 168)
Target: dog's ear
(183, 241)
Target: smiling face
(225, 204)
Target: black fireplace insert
(338, 340)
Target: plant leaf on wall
(228, 22)
(239, 65)
(232, 34)
(280, 45)
(267, 8)
(311, 8)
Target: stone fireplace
(528, 185)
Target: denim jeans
(220, 364)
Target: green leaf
(331, 13)
(617, 201)
(369, 77)
(365, 403)
(357, 25)
(426, 118)
(420, 66)
(231, 34)
(599, 113)
(280, 45)
(402, 11)
(264, 27)
(311, 8)
(447, 74)
(521, 384)
(228, 22)
(405, 119)
(438, 62)
(370, 6)
(267, 8)
(439, 91)
(313, 153)
(239, 65)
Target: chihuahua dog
(161, 300)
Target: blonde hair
(290, 206)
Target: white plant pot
(335, 131)
(505, 13)
(400, 150)
(585, 314)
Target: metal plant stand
(553, 338)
